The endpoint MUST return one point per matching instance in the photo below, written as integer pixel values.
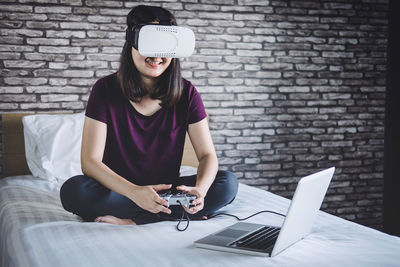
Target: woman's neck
(149, 83)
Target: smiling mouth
(153, 61)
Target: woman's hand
(198, 202)
(147, 198)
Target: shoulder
(194, 103)
(106, 82)
(189, 90)
(187, 85)
(105, 86)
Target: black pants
(84, 196)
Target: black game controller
(177, 198)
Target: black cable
(219, 214)
(185, 214)
(227, 214)
(187, 219)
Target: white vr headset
(153, 40)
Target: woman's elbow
(87, 164)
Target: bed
(36, 231)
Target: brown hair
(169, 86)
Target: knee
(70, 191)
(229, 182)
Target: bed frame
(14, 161)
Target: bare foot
(114, 220)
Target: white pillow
(187, 171)
(53, 145)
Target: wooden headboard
(14, 161)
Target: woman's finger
(184, 188)
(160, 187)
(165, 210)
(161, 201)
(197, 201)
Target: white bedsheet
(36, 231)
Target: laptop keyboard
(262, 239)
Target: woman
(132, 143)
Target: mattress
(36, 231)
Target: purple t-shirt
(143, 149)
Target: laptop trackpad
(231, 233)
(239, 229)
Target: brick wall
(291, 87)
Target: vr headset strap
(163, 17)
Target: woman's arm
(93, 145)
(200, 137)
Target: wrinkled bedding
(36, 231)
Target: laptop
(265, 240)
